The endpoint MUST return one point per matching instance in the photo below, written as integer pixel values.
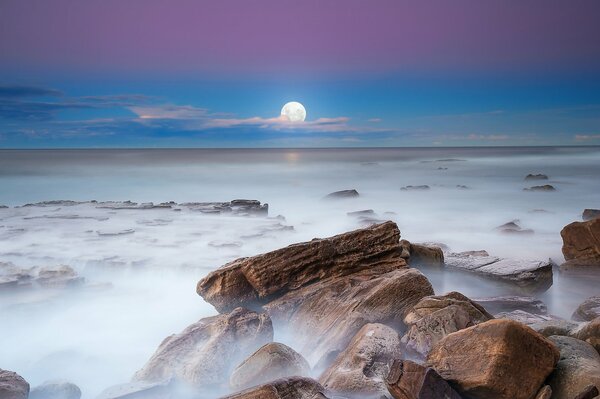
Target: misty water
(140, 286)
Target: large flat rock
(252, 282)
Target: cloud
(16, 91)
(374, 120)
(587, 137)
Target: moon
(294, 111)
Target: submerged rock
(270, 362)
(589, 214)
(286, 388)
(342, 194)
(523, 317)
(409, 380)
(555, 327)
(361, 368)
(581, 243)
(538, 176)
(525, 275)
(13, 386)
(55, 390)
(252, 282)
(498, 359)
(588, 309)
(545, 187)
(513, 227)
(500, 304)
(205, 352)
(61, 277)
(422, 187)
(578, 368)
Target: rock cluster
(13, 277)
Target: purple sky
(311, 36)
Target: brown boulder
(588, 310)
(409, 380)
(270, 362)
(581, 242)
(420, 254)
(578, 367)
(13, 386)
(252, 282)
(206, 351)
(323, 317)
(590, 333)
(288, 388)
(433, 303)
(361, 368)
(498, 359)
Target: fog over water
(141, 265)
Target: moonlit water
(140, 286)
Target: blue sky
(149, 74)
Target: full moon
(294, 111)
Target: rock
(433, 303)
(590, 333)
(422, 254)
(589, 214)
(204, 353)
(252, 282)
(365, 212)
(13, 386)
(513, 228)
(545, 187)
(323, 317)
(498, 359)
(429, 330)
(342, 194)
(112, 233)
(62, 276)
(536, 177)
(462, 187)
(581, 242)
(528, 276)
(270, 362)
(366, 217)
(361, 368)
(55, 390)
(588, 310)
(523, 317)
(416, 188)
(287, 388)
(143, 390)
(409, 380)
(578, 367)
(589, 392)
(509, 303)
(544, 393)
(555, 327)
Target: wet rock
(430, 304)
(513, 227)
(12, 385)
(422, 254)
(55, 203)
(323, 317)
(409, 380)
(3, 207)
(287, 388)
(523, 317)
(581, 243)
(555, 327)
(536, 177)
(462, 187)
(589, 214)
(271, 362)
(422, 187)
(62, 276)
(590, 333)
(498, 359)
(499, 304)
(252, 282)
(342, 194)
(252, 207)
(205, 352)
(544, 188)
(578, 367)
(589, 392)
(55, 390)
(225, 244)
(361, 368)
(528, 276)
(588, 309)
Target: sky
(216, 73)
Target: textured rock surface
(361, 368)
(525, 275)
(498, 359)
(409, 380)
(55, 390)
(271, 362)
(288, 388)
(509, 303)
(206, 351)
(581, 243)
(590, 333)
(433, 303)
(12, 385)
(421, 254)
(588, 310)
(323, 317)
(252, 282)
(523, 317)
(579, 366)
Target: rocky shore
(353, 316)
